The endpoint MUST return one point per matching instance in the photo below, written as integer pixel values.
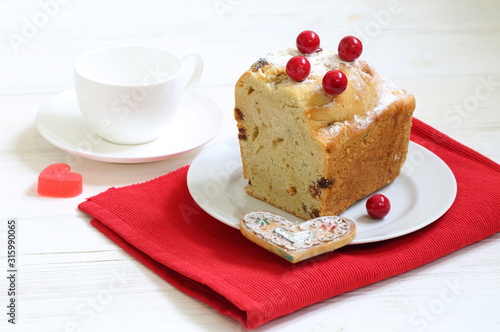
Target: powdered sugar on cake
(321, 62)
(387, 95)
(324, 61)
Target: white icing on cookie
(283, 233)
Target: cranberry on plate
(378, 206)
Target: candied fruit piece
(259, 64)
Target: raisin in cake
(313, 154)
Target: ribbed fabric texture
(159, 224)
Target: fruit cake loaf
(311, 153)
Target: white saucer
(423, 192)
(197, 121)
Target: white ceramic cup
(128, 94)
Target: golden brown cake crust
(370, 158)
(313, 154)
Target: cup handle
(197, 71)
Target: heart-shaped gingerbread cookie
(297, 241)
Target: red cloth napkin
(158, 223)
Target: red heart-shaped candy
(57, 180)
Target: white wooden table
(72, 278)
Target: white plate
(197, 121)
(423, 192)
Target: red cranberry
(378, 206)
(334, 82)
(307, 42)
(350, 48)
(298, 68)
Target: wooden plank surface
(72, 278)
